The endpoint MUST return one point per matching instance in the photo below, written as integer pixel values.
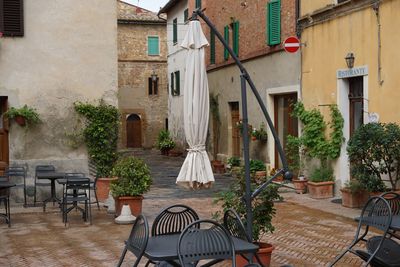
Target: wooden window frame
(18, 31)
(274, 22)
(153, 86)
(175, 31)
(212, 47)
(226, 38)
(186, 15)
(148, 45)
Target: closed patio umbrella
(196, 170)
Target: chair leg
(121, 259)
(8, 214)
(97, 200)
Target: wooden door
(285, 124)
(134, 131)
(356, 99)
(4, 160)
(235, 117)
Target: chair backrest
(173, 220)
(205, 239)
(77, 183)
(394, 201)
(44, 168)
(376, 213)
(15, 171)
(139, 236)
(234, 225)
(74, 175)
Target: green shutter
(175, 31)
(153, 46)
(198, 4)
(212, 47)
(226, 38)
(172, 83)
(274, 22)
(178, 83)
(186, 15)
(235, 38)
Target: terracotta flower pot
(264, 253)
(300, 185)
(320, 190)
(260, 175)
(253, 138)
(103, 187)
(354, 200)
(20, 120)
(135, 204)
(218, 166)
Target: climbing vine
(313, 139)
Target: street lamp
(349, 60)
(154, 76)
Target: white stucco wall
(68, 53)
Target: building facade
(52, 54)
(177, 14)
(368, 91)
(142, 75)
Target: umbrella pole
(246, 156)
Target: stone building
(52, 54)
(142, 75)
(256, 31)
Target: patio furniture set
(76, 189)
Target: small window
(226, 38)
(212, 47)
(186, 15)
(175, 31)
(153, 46)
(153, 85)
(198, 4)
(274, 22)
(175, 83)
(12, 18)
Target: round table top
(6, 184)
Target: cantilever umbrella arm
(245, 77)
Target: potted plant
(258, 168)
(354, 194)
(234, 166)
(133, 181)
(295, 161)
(263, 211)
(100, 136)
(259, 134)
(165, 142)
(320, 184)
(217, 165)
(24, 116)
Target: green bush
(260, 134)
(354, 186)
(133, 178)
(100, 134)
(257, 165)
(30, 114)
(322, 175)
(234, 161)
(164, 141)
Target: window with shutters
(198, 4)
(172, 83)
(153, 85)
(12, 18)
(235, 37)
(212, 47)
(175, 83)
(186, 15)
(175, 31)
(274, 22)
(153, 46)
(226, 38)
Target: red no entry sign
(291, 44)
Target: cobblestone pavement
(303, 236)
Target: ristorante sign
(347, 73)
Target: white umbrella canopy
(196, 170)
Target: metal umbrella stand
(246, 79)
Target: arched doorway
(133, 131)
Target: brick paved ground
(303, 236)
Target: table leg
(52, 197)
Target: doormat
(337, 201)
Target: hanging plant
(24, 116)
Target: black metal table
(3, 186)
(164, 248)
(52, 176)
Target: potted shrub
(258, 168)
(165, 142)
(354, 194)
(259, 134)
(295, 161)
(263, 211)
(24, 116)
(133, 181)
(100, 136)
(234, 166)
(217, 165)
(320, 184)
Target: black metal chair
(93, 183)
(41, 168)
(15, 172)
(5, 198)
(137, 240)
(75, 185)
(234, 225)
(205, 240)
(377, 215)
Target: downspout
(298, 33)
(378, 21)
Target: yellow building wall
(308, 6)
(328, 43)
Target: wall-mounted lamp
(154, 76)
(349, 60)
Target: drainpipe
(378, 21)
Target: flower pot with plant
(100, 136)
(354, 194)
(258, 168)
(24, 116)
(320, 184)
(234, 166)
(259, 134)
(165, 142)
(296, 165)
(133, 181)
(262, 205)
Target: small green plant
(216, 122)
(29, 114)
(133, 178)
(234, 161)
(322, 174)
(239, 125)
(164, 141)
(260, 134)
(354, 186)
(257, 165)
(292, 151)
